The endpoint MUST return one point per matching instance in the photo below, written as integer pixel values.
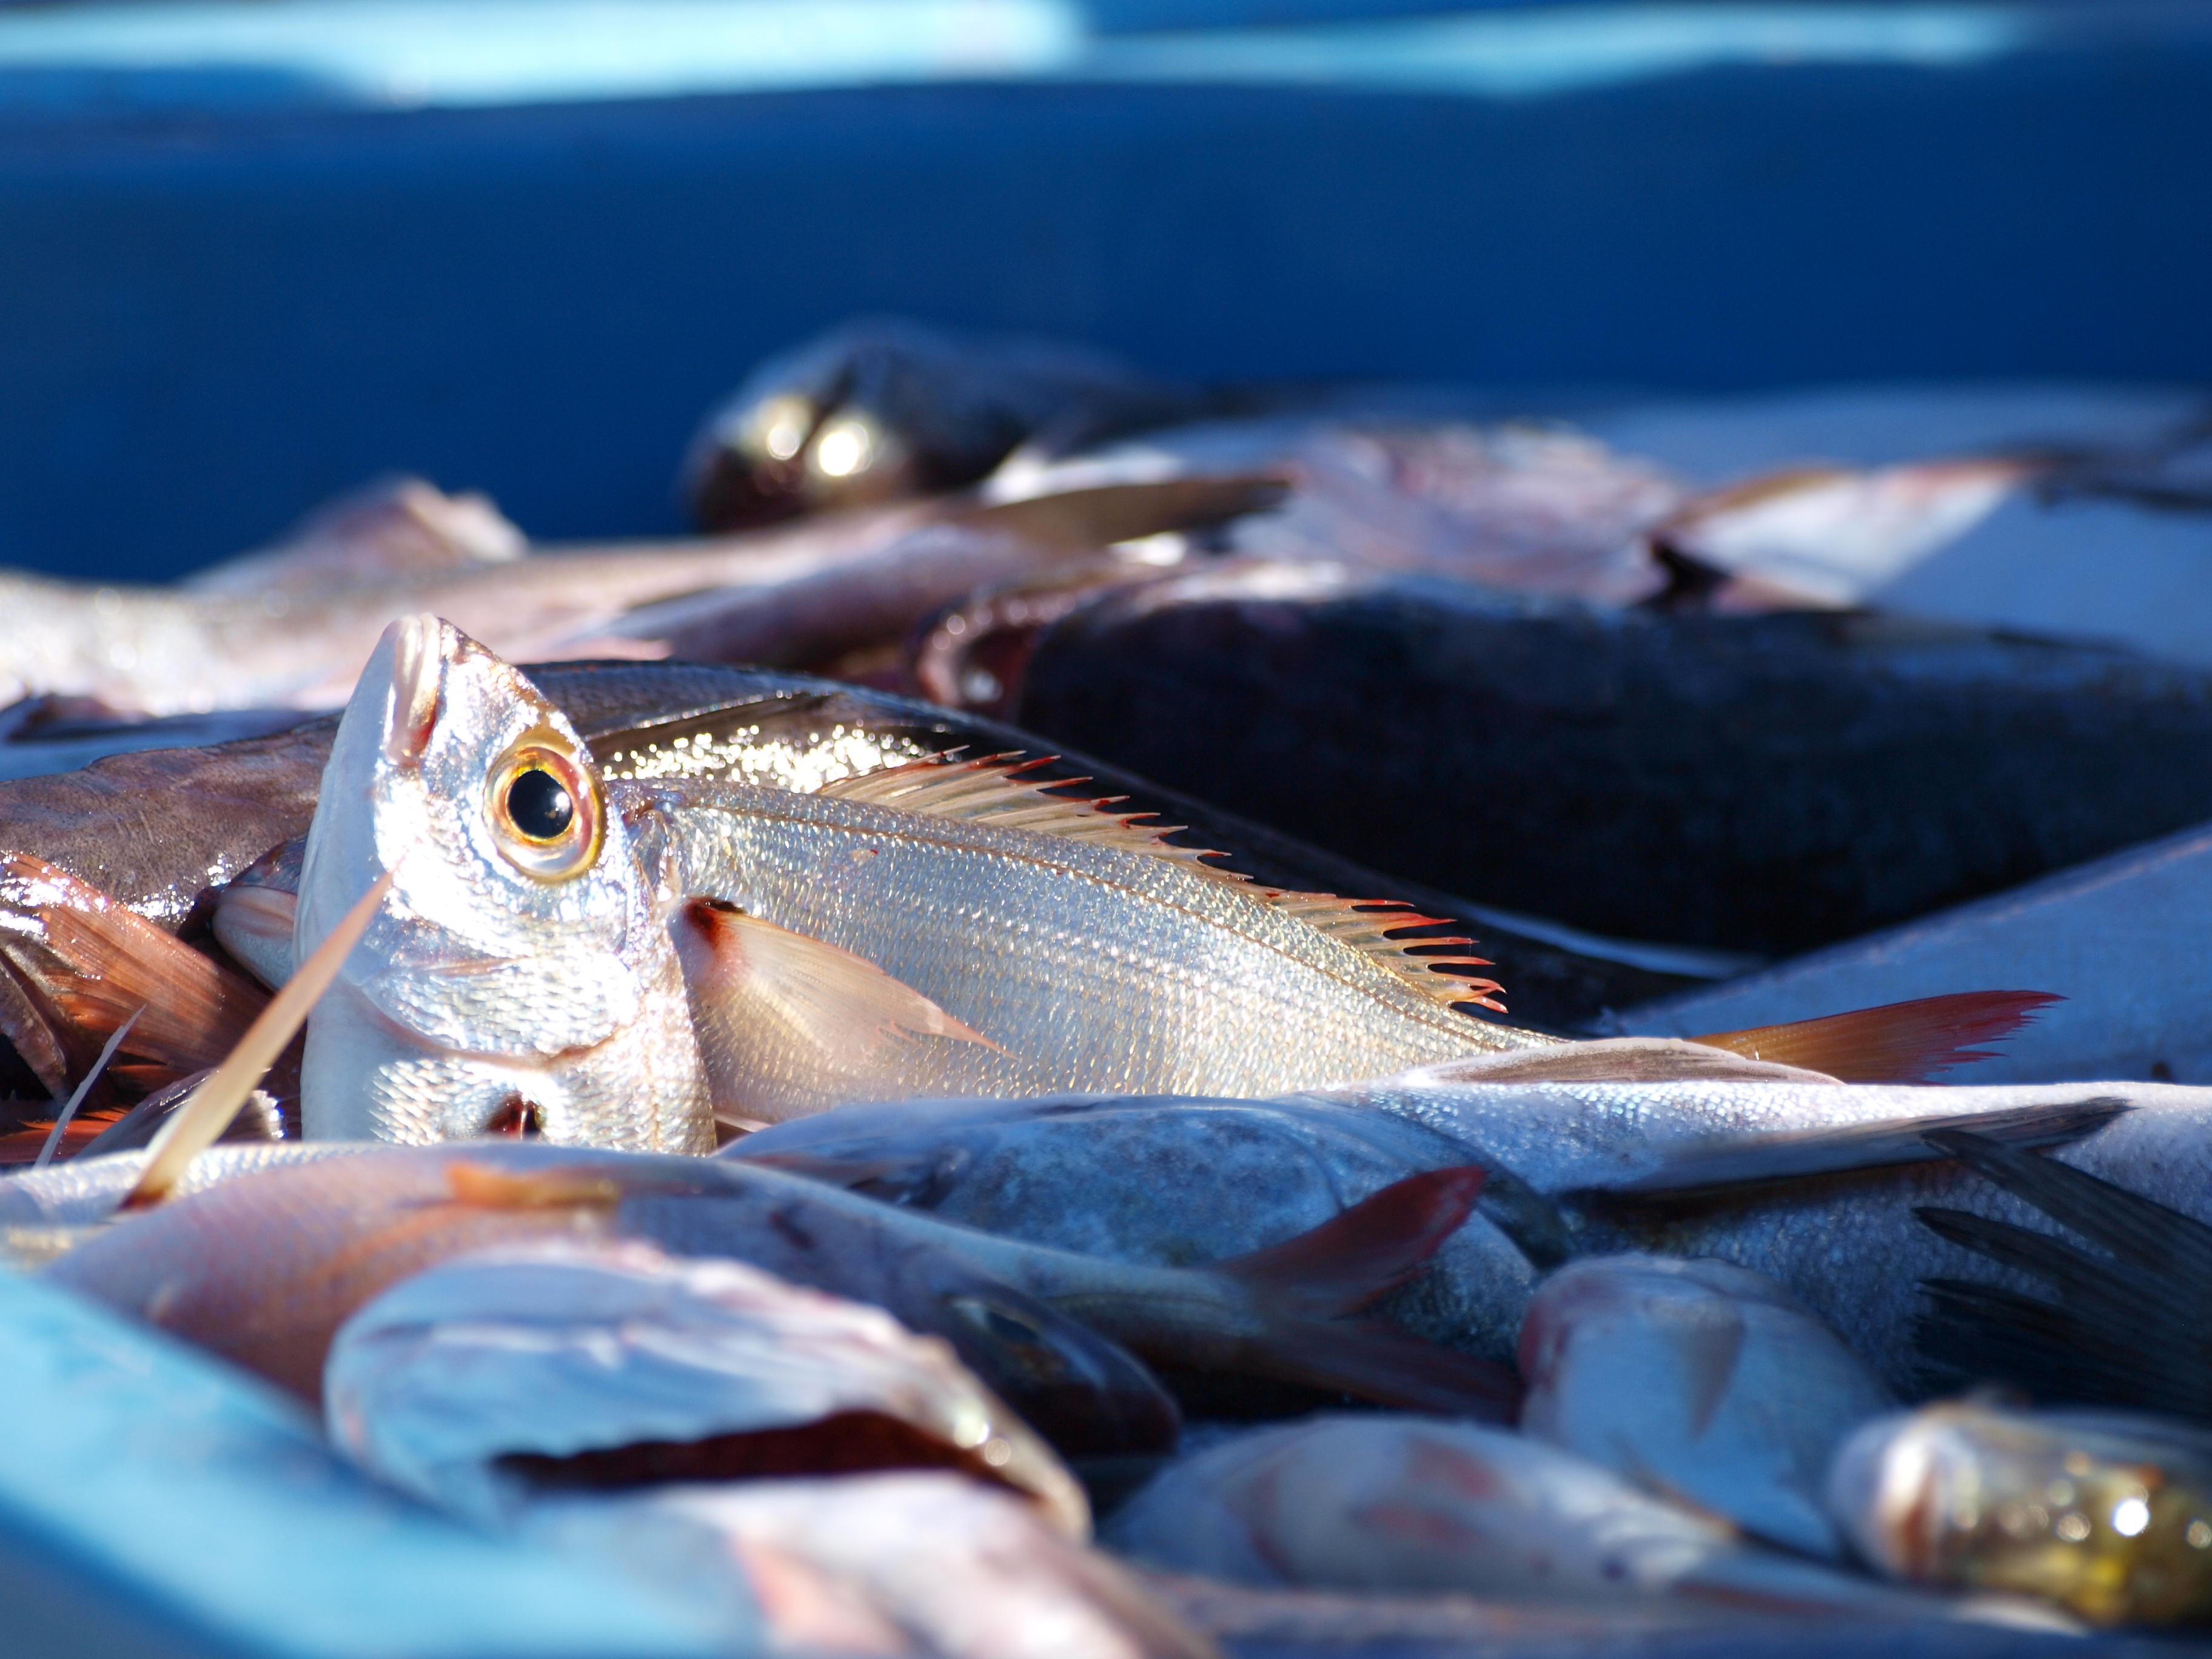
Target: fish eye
(539, 805)
(545, 810)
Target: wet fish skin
(2107, 1514)
(491, 1377)
(1697, 1380)
(1849, 1244)
(161, 831)
(2115, 937)
(446, 1023)
(1168, 1180)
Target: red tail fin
(1897, 1042)
(1301, 1284)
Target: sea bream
(621, 961)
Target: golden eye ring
(545, 810)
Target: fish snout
(417, 650)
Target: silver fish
(497, 1377)
(1697, 1380)
(619, 962)
(292, 626)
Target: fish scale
(1107, 968)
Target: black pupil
(538, 803)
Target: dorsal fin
(998, 789)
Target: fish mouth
(420, 647)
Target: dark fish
(1641, 773)
(883, 408)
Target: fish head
(520, 977)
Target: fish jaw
(533, 979)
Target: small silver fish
(1697, 1380)
(620, 962)
(2108, 1515)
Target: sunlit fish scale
(264, 1268)
(1086, 966)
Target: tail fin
(2125, 1329)
(1302, 1285)
(1897, 1042)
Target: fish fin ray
(1374, 1246)
(93, 963)
(1792, 1155)
(836, 1000)
(999, 789)
(2139, 1230)
(1896, 1043)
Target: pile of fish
(913, 1073)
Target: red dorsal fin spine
(1001, 789)
(1897, 1042)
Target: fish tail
(1896, 1043)
(1303, 1285)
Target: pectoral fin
(787, 1023)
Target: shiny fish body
(1092, 968)
(1166, 1181)
(668, 953)
(1847, 1245)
